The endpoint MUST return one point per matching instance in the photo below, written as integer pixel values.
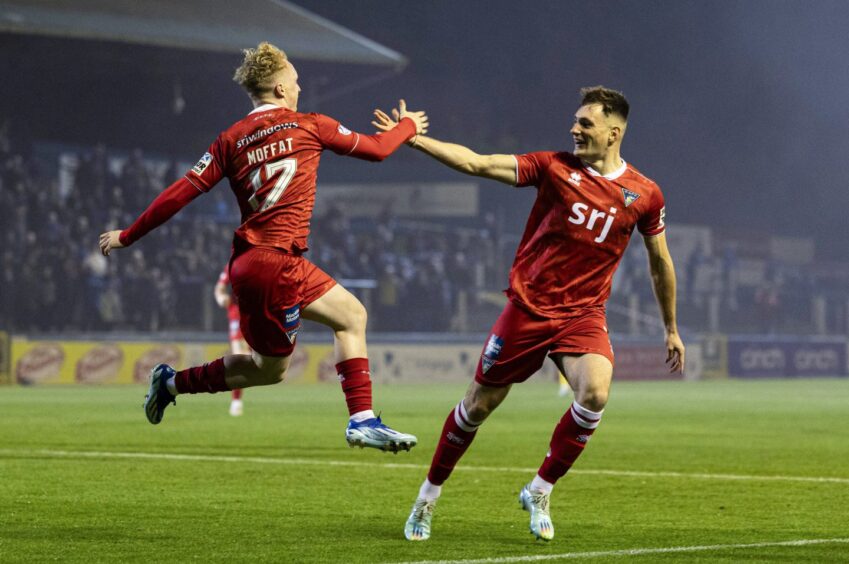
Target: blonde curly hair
(258, 69)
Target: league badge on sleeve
(630, 197)
(491, 352)
(343, 130)
(203, 163)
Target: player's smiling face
(591, 132)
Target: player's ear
(279, 91)
(614, 134)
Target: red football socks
(237, 394)
(356, 383)
(568, 441)
(207, 378)
(457, 434)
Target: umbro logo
(575, 179)
(455, 439)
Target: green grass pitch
(703, 468)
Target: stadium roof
(222, 25)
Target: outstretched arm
(458, 157)
(374, 147)
(663, 282)
(170, 201)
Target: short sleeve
(335, 136)
(209, 170)
(653, 221)
(530, 167)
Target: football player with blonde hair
(270, 158)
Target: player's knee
(357, 317)
(273, 375)
(270, 372)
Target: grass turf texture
(278, 498)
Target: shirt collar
(264, 108)
(612, 176)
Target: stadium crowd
(413, 275)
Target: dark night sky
(738, 108)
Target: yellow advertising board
(126, 362)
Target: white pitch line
(320, 462)
(633, 552)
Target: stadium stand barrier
(774, 356)
(397, 358)
(40, 361)
(414, 357)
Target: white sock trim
(461, 418)
(171, 386)
(361, 416)
(429, 492)
(541, 485)
(584, 417)
(465, 415)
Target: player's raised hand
(675, 352)
(382, 121)
(419, 117)
(110, 240)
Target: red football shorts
(272, 287)
(519, 342)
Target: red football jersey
(577, 231)
(271, 158)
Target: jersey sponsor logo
(204, 162)
(248, 139)
(292, 322)
(491, 352)
(630, 197)
(343, 130)
(575, 179)
(579, 217)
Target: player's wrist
(124, 238)
(409, 123)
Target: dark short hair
(612, 101)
